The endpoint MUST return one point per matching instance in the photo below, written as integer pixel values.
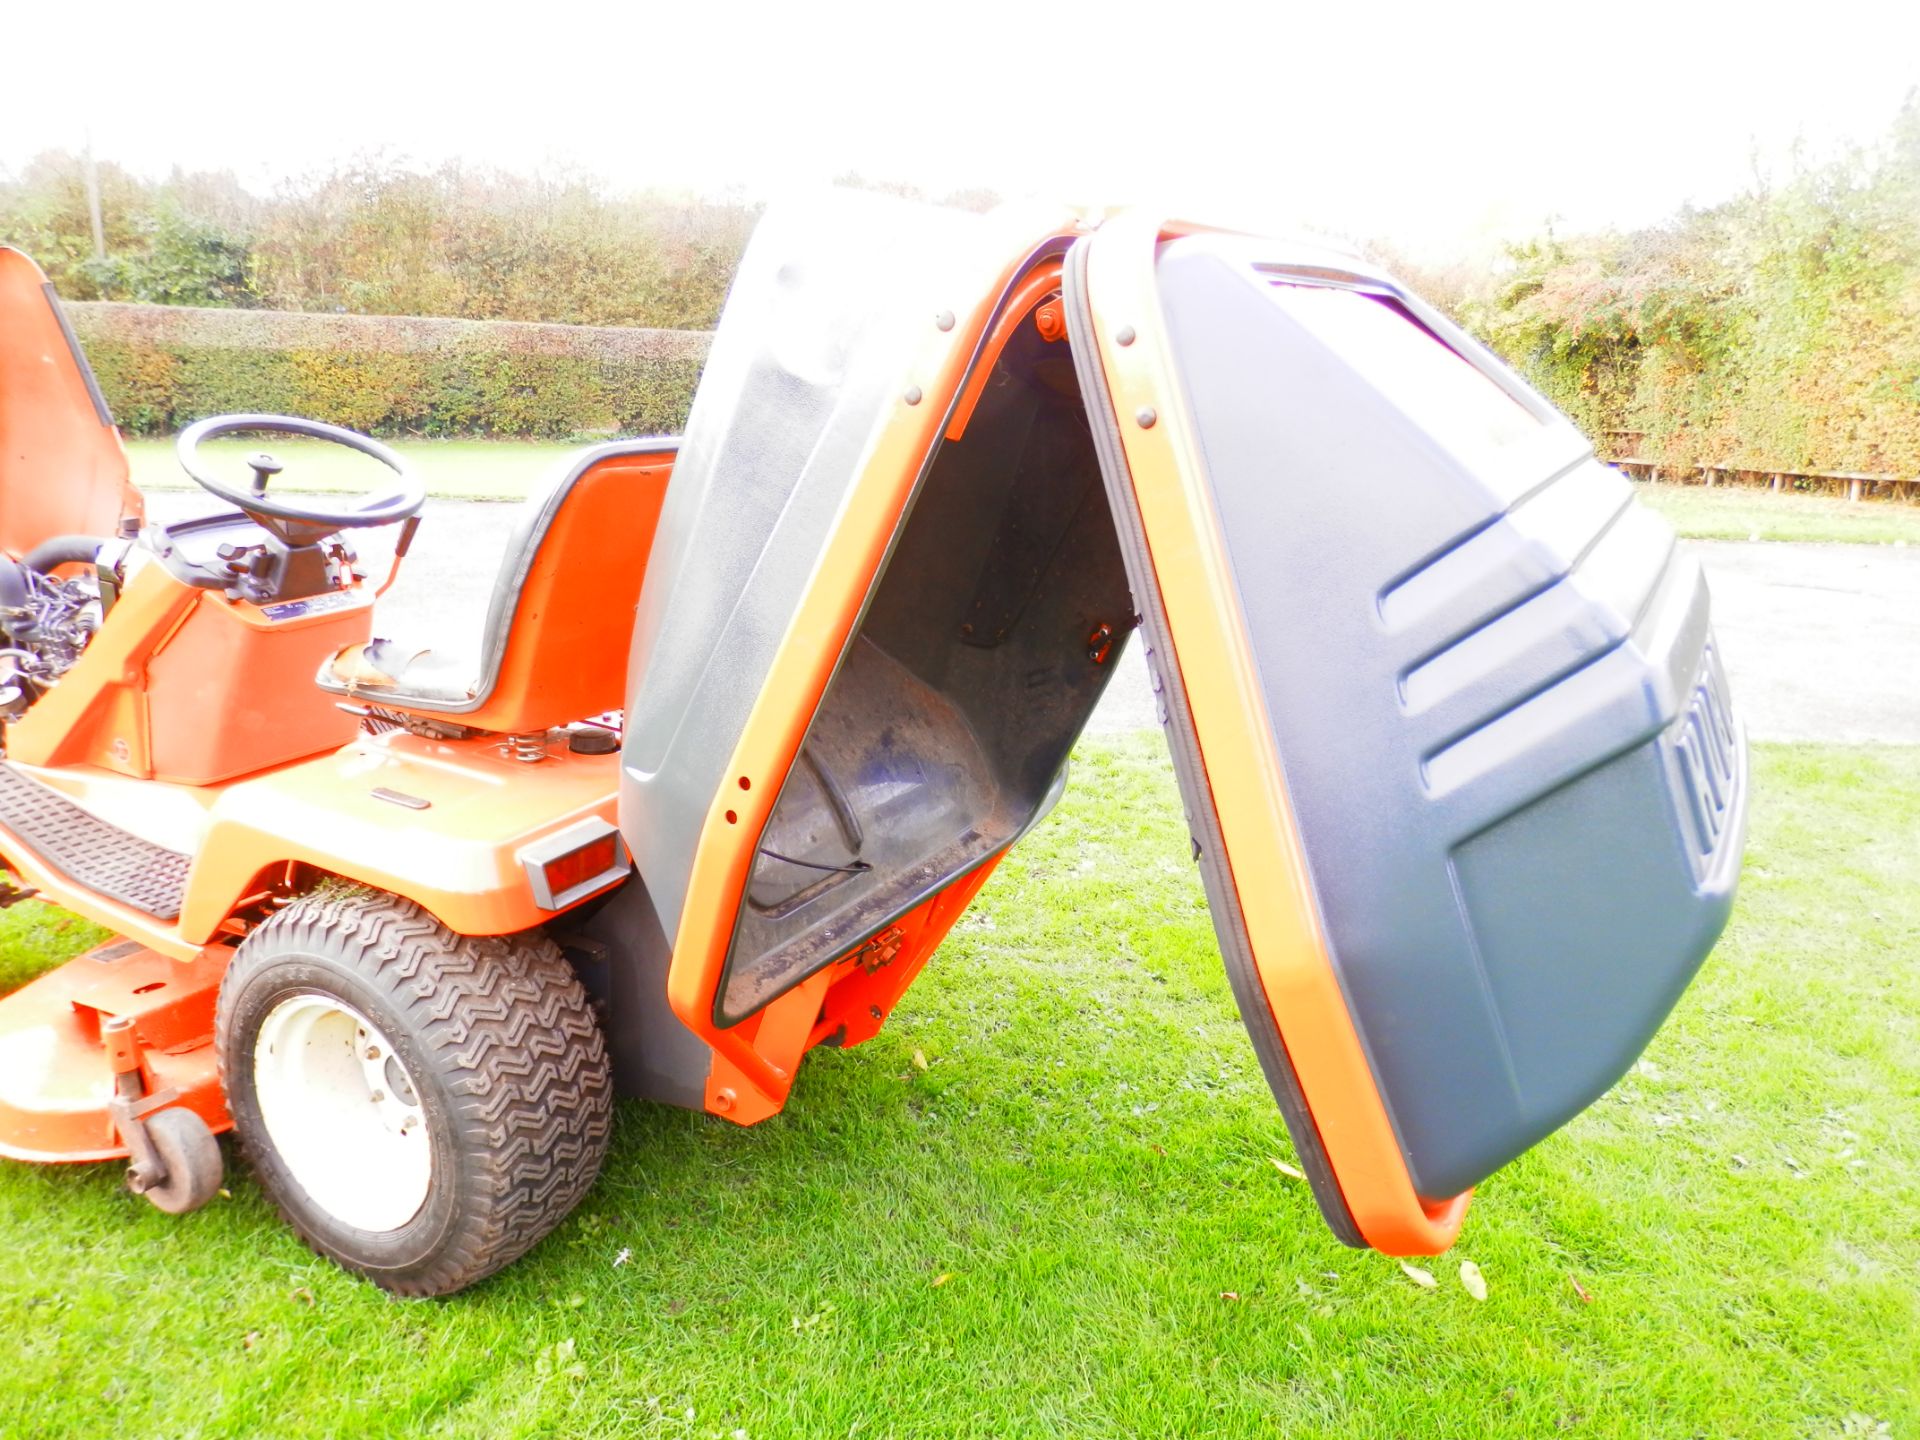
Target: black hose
(49, 555)
(16, 590)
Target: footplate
(89, 851)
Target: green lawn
(1069, 1222)
(457, 469)
(506, 469)
(1723, 512)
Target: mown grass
(454, 469)
(507, 470)
(1723, 512)
(1068, 1223)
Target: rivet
(723, 1101)
(1146, 417)
(913, 394)
(1124, 335)
(944, 320)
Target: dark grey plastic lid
(1493, 689)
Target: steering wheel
(304, 522)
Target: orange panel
(97, 714)
(62, 468)
(230, 691)
(183, 689)
(185, 685)
(456, 853)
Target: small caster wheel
(192, 1156)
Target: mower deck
(90, 851)
(56, 1078)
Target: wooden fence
(1855, 485)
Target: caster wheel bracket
(178, 1170)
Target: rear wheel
(422, 1106)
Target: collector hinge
(881, 949)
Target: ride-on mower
(755, 714)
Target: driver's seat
(560, 619)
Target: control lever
(408, 529)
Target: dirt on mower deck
(1822, 641)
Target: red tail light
(574, 863)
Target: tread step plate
(91, 852)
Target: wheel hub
(343, 1112)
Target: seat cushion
(397, 673)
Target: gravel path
(1822, 641)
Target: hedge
(162, 367)
(1777, 331)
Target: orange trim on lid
(1029, 293)
(1248, 790)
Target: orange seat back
(571, 621)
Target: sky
(1437, 128)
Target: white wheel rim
(342, 1111)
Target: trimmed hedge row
(162, 367)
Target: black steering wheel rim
(382, 508)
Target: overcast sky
(1430, 126)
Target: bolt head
(1124, 335)
(944, 320)
(1147, 417)
(913, 395)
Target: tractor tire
(423, 1107)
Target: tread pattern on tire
(527, 1062)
